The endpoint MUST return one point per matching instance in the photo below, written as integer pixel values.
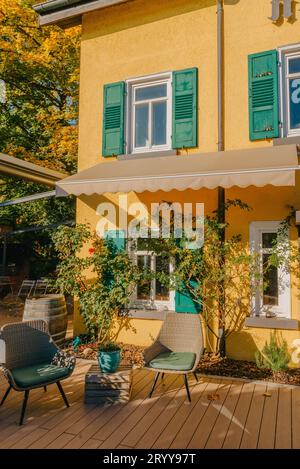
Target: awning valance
(257, 167)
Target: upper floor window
(290, 90)
(274, 93)
(149, 115)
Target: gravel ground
(131, 354)
(211, 365)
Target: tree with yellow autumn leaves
(39, 68)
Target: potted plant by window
(109, 357)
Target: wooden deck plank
(241, 417)
(253, 423)
(62, 426)
(37, 414)
(25, 442)
(206, 425)
(296, 418)
(183, 437)
(55, 419)
(219, 431)
(236, 428)
(61, 441)
(16, 434)
(111, 414)
(106, 430)
(14, 401)
(92, 444)
(115, 431)
(268, 424)
(283, 438)
(173, 426)
(86, 420)
(159, 424)
(145, 415)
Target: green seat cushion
(31, 376)
(181, 361)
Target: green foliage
(38, 119)
(99, 276)
(109, 347)
(217, 275)
(40, 68)
(221, 276)
(274, 355)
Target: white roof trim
(72, 15)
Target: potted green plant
(109, 357)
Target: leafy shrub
(274, 355)
(98, 275)
(109, 347)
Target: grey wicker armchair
(30, 359)
(177, 349)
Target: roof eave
(72, 15)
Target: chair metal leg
(5, 395)
(196, 377)
(162, 376)
(62, 393)
(187, 387)
(45, 388)
(26, 395)
(154, 383)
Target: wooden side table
(103, 388)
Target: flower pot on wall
(109, 361)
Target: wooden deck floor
(240, 415)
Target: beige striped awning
(242, 168)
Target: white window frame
(284, 54)
(152, 303)
(131, 85)
(283, 309)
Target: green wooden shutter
(184, 302)
(185, 108)
(117, 237)
(113, 119)
(263, 95)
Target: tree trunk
(222, 343)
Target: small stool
(103, 388)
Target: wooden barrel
(53, 310)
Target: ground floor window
(273, 294)
(151, 293)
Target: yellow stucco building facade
(143, 40)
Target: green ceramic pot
(109, 361)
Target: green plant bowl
(109, 361)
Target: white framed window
(273, 296)
(289, 58)
(149, 113)
(151, 294)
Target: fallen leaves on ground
(213, 397)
